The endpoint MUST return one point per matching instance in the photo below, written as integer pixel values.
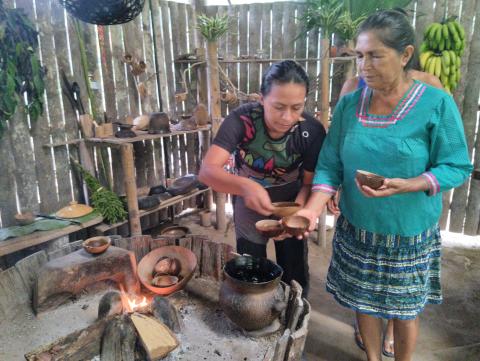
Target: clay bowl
(164, 281)
(188, 263)
(175, 231)
(295, 225)
(269, 228)
(371, 180)
(24, 219)
(96, 245)
(285, 209)
(167, 266)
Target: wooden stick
(131, 189)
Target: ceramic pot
(251, 295)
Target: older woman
(386, 247)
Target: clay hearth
(64, 277)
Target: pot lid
(74, 210)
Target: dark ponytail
(283, 72)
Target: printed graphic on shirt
(269, 162)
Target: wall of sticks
(36, 175)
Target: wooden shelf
(165, 204)
(143, 135)
(258, 60)
(18, 243)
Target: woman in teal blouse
(386, 247)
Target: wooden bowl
(96, 245)
(369, 179)
(269, 228)
(295, 225)
(285, 209)
(24, 219)
(188, 263)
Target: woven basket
(104, 12)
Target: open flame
(131, 304)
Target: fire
(131, 304)
(134, 305)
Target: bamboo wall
(38, 178)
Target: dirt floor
(448, 332)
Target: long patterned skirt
(386, 276)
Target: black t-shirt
(276, 164)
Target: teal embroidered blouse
(423, 136)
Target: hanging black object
(104, 12)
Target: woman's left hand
(389, 187)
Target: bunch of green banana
(441, 50)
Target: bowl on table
(96, 245)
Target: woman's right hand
(332, 204)
(256, 198)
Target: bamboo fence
(38, 177)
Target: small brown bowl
(168, 266)
(24, 219)
(96, 245)
(295, 225)
(175, 231)
(164, 281)
(269, 228)
(369, 179)
(285, 209)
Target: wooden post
(325, 99)
(215, 112)
(131, 189)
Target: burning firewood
(157, 340)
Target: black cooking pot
(251, 294)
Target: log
(470, 116)
(118, 341)
(78, 346)
(110, 304)
(281, 346)
(13, 293)
(215, 112)
(157, 340)
(165, 312)
(28, 268)
(211, 259)
(293, 296)
(325, 95)
(161, 241)
(131, 189)
(296, 341)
